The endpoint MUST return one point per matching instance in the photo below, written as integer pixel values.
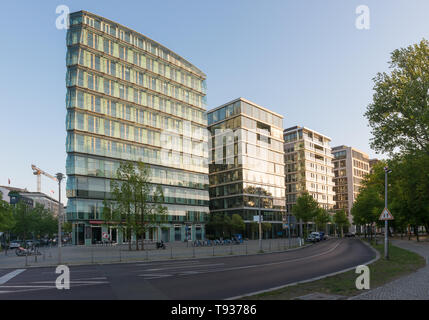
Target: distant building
(247, 163)
(372, 163)
(350, 168)
(309, 167)
(5, 192)
(14, 195)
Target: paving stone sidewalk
(412, 287)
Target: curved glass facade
(130, 98)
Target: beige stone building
(308, 166)
(350, 168)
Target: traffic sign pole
(386, 222)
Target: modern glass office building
(130, 98)
(246, 166)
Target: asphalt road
(194, 279)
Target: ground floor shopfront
(94, 232)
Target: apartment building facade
(246, 167)
(308, 166)
(130, 98)
(350, 168)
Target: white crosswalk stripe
(10, 275)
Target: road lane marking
(10, 275)
(188, 266)
(151, 276)
(160, 263)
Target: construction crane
(38, 172)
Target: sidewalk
(78, 255)
(412, 287)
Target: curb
(377, 256)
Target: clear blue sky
(303, 59)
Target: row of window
(91, 209)
(223, 135)
(135, 57)
(89, 80)
(125, 73)
(244, 201)
(133, 39)
(79, 165)
(115, 129)
(124, 151)
(100, 188)
(100, 104)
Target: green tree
(122, 197)
(25, 220)
(139, 203)
(266, 227)
(305, 209)
(7, 221)
(399, 113)
(322, 218)
(341, 220)
(237, 223)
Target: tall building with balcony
(308, 166)
(350, 168)
(131, 98)
(246, 165)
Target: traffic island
(342, 286)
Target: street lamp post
(60, 177)
(386, 222)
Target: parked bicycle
(161, 245)
(20, 251)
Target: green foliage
(137, 204)
(6, 217)
(408, 196)
(399, 113)
(322, 218)
(341, 220)
(306, 208)
(237, 223)
(34, 222)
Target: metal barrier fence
(74, 255)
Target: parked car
(313, 237)
(14, 244)
(350, 234)
(316, 235)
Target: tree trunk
(416, 232)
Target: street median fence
(115, 253)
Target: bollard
(120, 255)
(35, 256)
(43, 255)
(213, 251)
(92, 254)
(193, 252)
(230, 247)
(147, 255)
(26, 257)
(270, 246)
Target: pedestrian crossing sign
(386, 215)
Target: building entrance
(96, 235)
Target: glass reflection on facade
(124, 91)
(246, 164)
